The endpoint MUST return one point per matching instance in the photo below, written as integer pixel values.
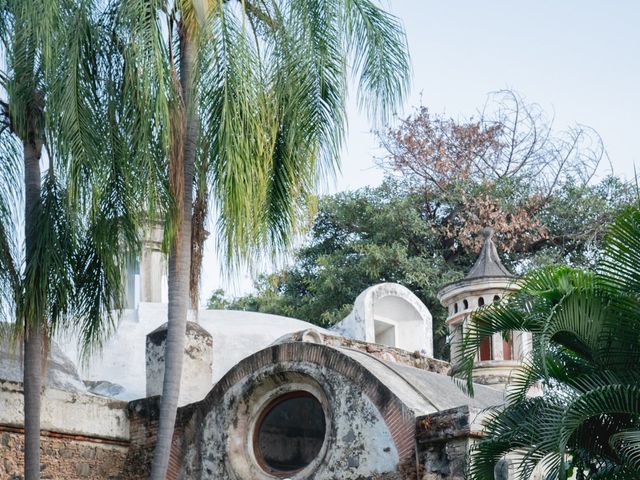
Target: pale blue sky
(579, 59)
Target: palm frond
(627, 444)
(378, 45)
(48, 277)
(585, 352)
(620, 267)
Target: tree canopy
(422, 227)
(246, 104)
(383, 234)
(68, 199)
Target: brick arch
(400, 420)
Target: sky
(578, 59)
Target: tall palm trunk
(33, 347)
(179, 267)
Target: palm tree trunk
(33, 347)
(179, 272)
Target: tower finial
(487, 232)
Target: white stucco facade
(386, 313)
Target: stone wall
(84, 436)
(63, 457)
(443, 441)
(383, 352)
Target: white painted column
(152, 265)
(497, 347)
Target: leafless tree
(507, 140)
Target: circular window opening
(289, 433)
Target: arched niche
(390, 314)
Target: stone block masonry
(444, 439)
(84, 436)
(63, 457)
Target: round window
(289, 433)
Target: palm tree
(586, 331)
(247, 99)
(62, 176)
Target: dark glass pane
(291, 433)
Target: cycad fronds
(586, 349)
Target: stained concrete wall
(195, 381)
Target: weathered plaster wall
(369, 429)
(358, 443)
(372, 430)
(68, 412)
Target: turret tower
(487, 281)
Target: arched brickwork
(399, 419)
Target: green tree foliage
(388, 234)
(507, 168)
(586, 339)
(68, 205)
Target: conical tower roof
(488, 263)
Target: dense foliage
(69, 206)
(507, 168)
(391, 234)
(586, 338)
